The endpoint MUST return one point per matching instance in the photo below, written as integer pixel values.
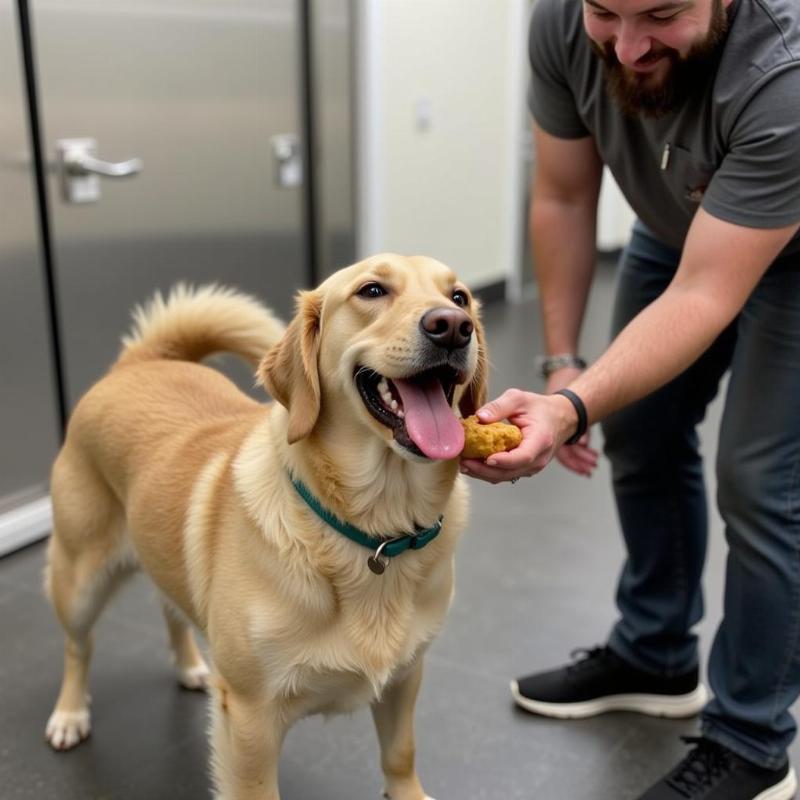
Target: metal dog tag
(374, 562)
(376, 565)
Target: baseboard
(491, 292)
(608, 258)
(25, 525)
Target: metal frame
(25, 525)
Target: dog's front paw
(195, 678)
(66, 729)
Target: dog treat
(481, 441)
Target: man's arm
(720, 266)
(563, 230)
(563, 222)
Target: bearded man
(694, 105)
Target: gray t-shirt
(734, 148)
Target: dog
(311, 539)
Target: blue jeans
(754, 665)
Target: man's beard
(633, 93)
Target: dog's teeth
(389, 400)
(400, 414)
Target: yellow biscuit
(481, 441)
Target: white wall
(615, 216)
(441, 121)
(441, 114)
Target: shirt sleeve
(758, 183)
(550, 98)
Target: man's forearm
(657, 345)
(721, 265)
(563, 237)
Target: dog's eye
(460, 298)
(371, 291)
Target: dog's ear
(289, 370)
(475, 394)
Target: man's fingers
(480, 470)
(577, 458)
(527, 451)
(574, 464)
(584, 454)
(502, 407)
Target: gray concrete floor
(535, 578)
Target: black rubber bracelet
(580, 409)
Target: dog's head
(395, 341)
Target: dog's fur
(168, 467)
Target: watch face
(549, 364)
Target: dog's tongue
(429, 420)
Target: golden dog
(167, 466)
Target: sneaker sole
(654, 705)
(785, 790)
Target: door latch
(288, 160)
(80, 170)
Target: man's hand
(545, 422)
(578, 457)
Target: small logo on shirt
(695, 195)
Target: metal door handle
(79, 169)
(83, 164)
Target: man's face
(655, 51)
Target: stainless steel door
(28, 398)
(197, 90)
(332, 67)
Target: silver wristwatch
(549, 364)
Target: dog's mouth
(417, 408)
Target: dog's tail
(193, 323)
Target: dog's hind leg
(193, 673)
(87, 561)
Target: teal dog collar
(389, 547)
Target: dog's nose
(448, 327)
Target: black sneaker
(712, 772)
(601, 681)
